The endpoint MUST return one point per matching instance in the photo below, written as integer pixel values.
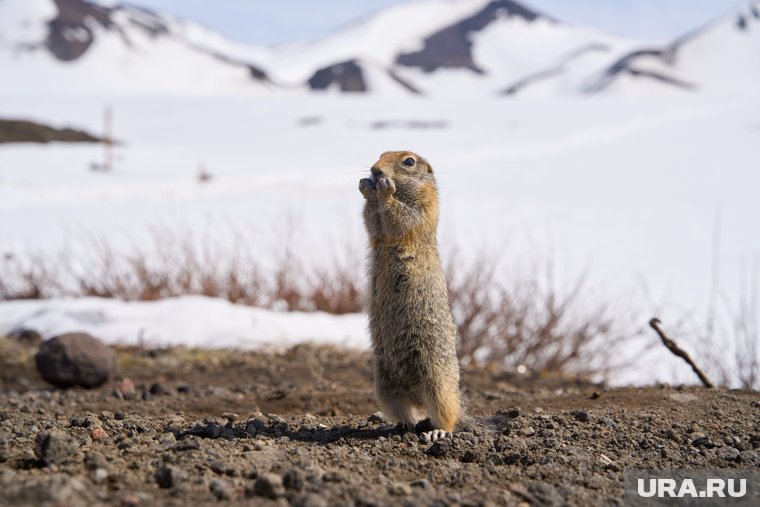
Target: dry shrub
(503, 321)
(515, 321)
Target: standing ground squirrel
(413, 331)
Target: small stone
(126, 387)
(100, 475)
(422, 484)
(168, 476)
(167, 440)
(294, 479)
(438, 449)
(749, 458)
(212, 430)
(269, 486)
(468, 457)
(157, 389)
(55, 447)
(703, 442)
(310, 500)
(754, 440)
(75, 359)
(728, 453)
(377, 417)
(98, 434)
(220, 489)
(527, 431)
(581, 415)
(399, 489)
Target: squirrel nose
(376, 172)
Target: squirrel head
(411, 173)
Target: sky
(272, 22)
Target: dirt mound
(300, 428)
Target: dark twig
(675, 349)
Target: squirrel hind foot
(434, 435)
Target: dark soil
(204, 427)
(20, 131)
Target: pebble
(168, 476)
(126, 387)
(728, 453)
(100, 475)
(581, 415)
(377, 417)
(269, 486)
(98, 434)
(294, 479)
(212, 430)
(55, 447)
(399, 489)
(220, 489)
(438, 449)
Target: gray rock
(439, 448)
(750, 458)
(581, 415)
(269, 486)
(56, 447)
(728, 453)
(168, 476)
(75, 359)
(220, 489)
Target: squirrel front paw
(367, 187)
(386, 187)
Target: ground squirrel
(412, 329)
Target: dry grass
(506, 321)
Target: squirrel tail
(491, 424)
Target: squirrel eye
(408, 162)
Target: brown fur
(413, 332)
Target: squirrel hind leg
(398, 408)
(443, 405)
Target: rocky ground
(185, 427)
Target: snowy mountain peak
(451, 47)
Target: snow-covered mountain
(449, 47)
(722, 57)
(77, 46)
(425, 47)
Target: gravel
(232, 438)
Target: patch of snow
(192, 321)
